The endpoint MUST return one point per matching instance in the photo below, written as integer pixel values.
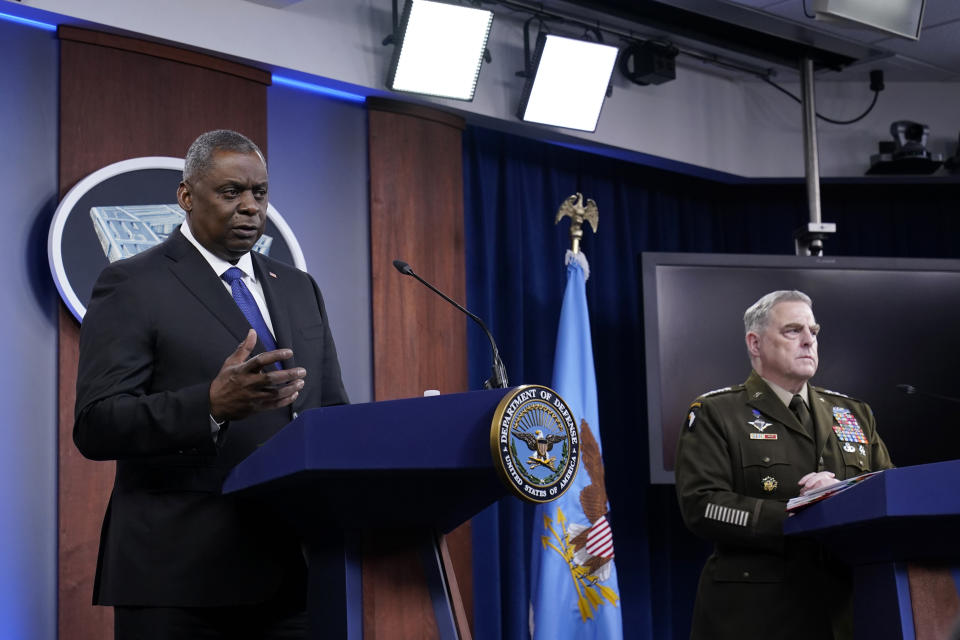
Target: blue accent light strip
(316, 88)
(26, 21)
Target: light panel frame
(568, 83)
(440, 49)
(901, 18)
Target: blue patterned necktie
(244, 300)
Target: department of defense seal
(535, 443)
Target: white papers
(825, 492)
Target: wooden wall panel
(416, 215)
(119, 103)
(123, 98)
(82, 496)
(934, 600)
(419, 340)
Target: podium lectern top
(417, 462)
(908, 513)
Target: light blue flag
(574, 592)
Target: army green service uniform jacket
(740, 456)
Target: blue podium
(398, 472)
(891, 528)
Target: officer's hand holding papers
(793, 504)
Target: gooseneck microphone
(911, 390)
(498, 379)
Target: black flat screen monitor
(886, 322)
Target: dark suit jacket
(157, 330)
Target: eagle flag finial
(574, 208)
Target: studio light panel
(440, 50)
(901, 18)
(569, 84)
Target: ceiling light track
(536, 11)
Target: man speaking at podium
(743, 452)
(192, 354)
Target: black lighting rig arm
(393, 37)
(527, 71)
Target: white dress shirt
(220, 266)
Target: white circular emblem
(123, 209)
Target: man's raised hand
(245, 385)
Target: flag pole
(574, 590)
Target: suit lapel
(761, 397)
(195, 274)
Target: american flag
(600, 539)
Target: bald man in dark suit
(176, 385)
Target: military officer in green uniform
(743, 452)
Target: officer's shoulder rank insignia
(716, 392)
(535, 443)
(696, 404)
(833, 393)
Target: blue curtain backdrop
(515, 281)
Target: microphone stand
(498, 378)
